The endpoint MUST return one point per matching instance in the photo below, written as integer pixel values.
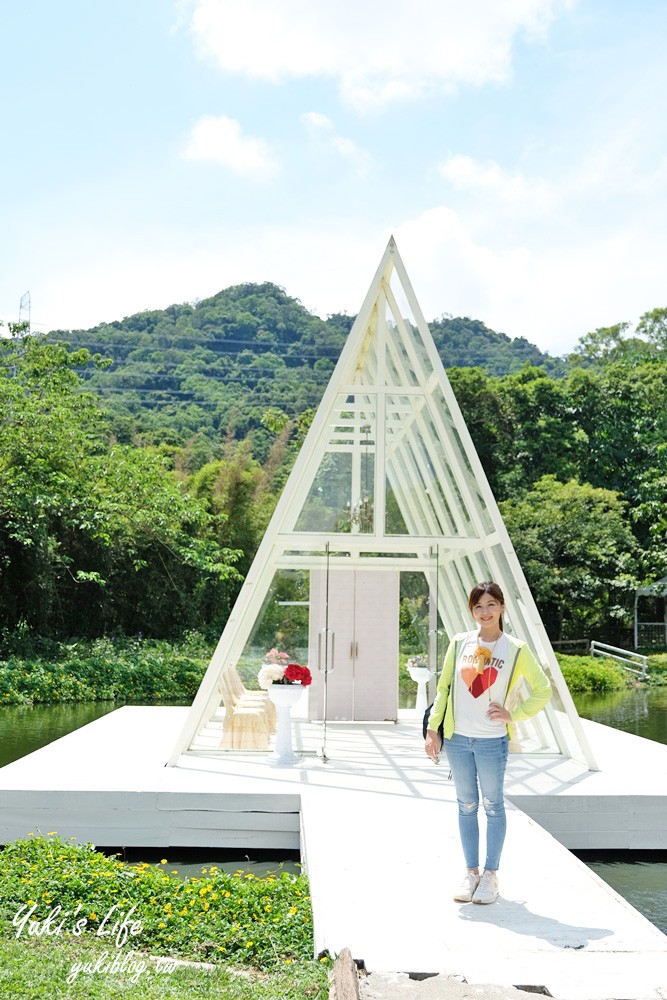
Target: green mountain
(210, 370)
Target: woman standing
(480, 671)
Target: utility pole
(24, 314)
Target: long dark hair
(490, 588)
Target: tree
(649, 514)
(579, 555)
(485, 411)
(93, 535)
(620, 413)
(653, 326)
(546, 436)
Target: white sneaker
(466, 890)
(487, 890)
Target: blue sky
(156, 151)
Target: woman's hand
(497, 713)
(432, 745)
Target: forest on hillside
(140, 461)
(217, 367)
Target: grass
(36, 968)
(64, 903)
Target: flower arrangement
(417, 661)
(275, 656)
(275, 673)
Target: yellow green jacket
(523, 665)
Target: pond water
(642, 711)
(25, 728)
(640, 878)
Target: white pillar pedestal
(283, 697)
(420, 676)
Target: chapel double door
(353, 641)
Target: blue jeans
(483, 759)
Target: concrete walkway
(383, 862)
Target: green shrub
(126, 670)
(591, 673)
(235, 918)
(657, 668)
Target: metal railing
(628, 660)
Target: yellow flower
(249, 944)
(161, 924)
(164, 861)
(482, 655)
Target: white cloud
(456, 274)
(549, 293)
(328, 270)
(317, 122)
(321, 126)
(380, 51)
(220, 140)
(512, 188)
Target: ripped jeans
(483, 759)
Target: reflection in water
(25, 728)
(642, 711)
(642, 883)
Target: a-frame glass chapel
(387, 498)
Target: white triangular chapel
(387, 482)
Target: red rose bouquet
(296, 674)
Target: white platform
(377, 829)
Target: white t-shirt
(475, 692)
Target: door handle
(326, 633)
